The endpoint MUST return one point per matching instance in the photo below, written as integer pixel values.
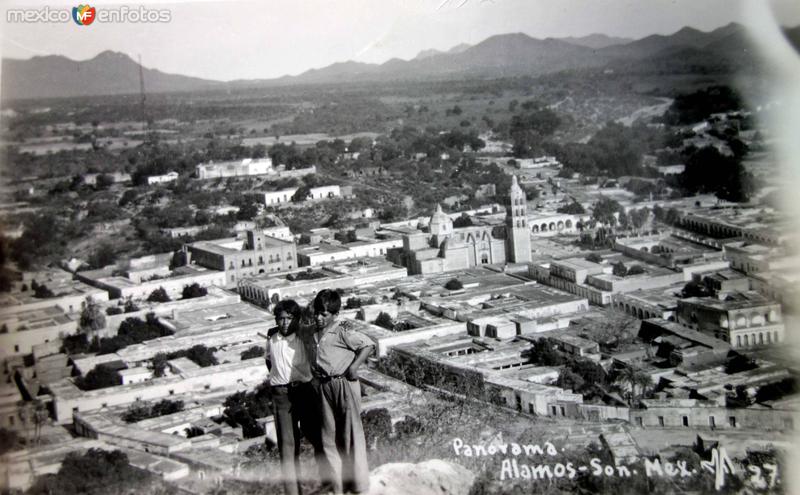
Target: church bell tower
(518, 236)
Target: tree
(128, 197)
(247, 211)
(104, 181)
(159, 364)
(639, 217)
(253, 352)
(42, 292)
(635, 270)
(301, 194)
(591, 372)
(453, 284)
(695, 289)
(696, 107)
(463, 221)
(193, 431)
(130, 306)
(242, 408)
(131, 331)
(569, 380)
(353, 303)
(101, 376)
(605, 211)
(159, 295)
(95, 472)
(392, 212)
(139, 411)
(619, 269)
(104, 255)
(594, 258)
(709, 171)
(573, 208)
(75, 344)
(92, 318)
(203, 356)
(544, 353)
(193, 291)
(635, 377)
(739, 363)
(384, 320)
(742, 396)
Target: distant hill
(432, 52)
(725, 49)
(519, 54)
(459, 48)
(427, 54)
(497, 56)
(596, 41)
(683, 38)
(108, 73)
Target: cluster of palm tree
(33, 414)
(635, 377)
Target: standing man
(337, 351)
(293, 397)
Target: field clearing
(305, 139)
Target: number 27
(757, 479)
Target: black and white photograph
(399, 247)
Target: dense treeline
(696, 107)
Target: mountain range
(514, 54)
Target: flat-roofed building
(268, 288)
(172, 281)
(750, 257)
(256, 254)
(27, 321)
(69, 399)
(162, 179)
(693, 413)
(327, 252)
(649, 303)
(753, 224)
(743, 319)
(246, 167)
(597, 281)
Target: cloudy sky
(243, 40)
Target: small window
(75, 409)
(639, 421)
(563, 412)
(732, 421)
(661, 421)
(16, 348)
(712, 422)
(686, 421)
(555, 411)
(171, 392)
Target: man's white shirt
(289, 359)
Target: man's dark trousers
(296, 416)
